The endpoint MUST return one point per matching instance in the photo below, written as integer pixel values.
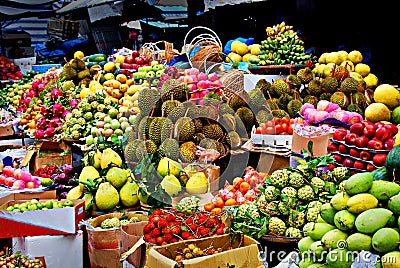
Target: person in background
(135, 38)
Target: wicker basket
(204, 50)
(233, 81)
(161, 51)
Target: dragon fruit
(305, 107)
(56, 93)
(39, 134)
(57, 109)
(324, 105)
(73, 103)
(49, 132)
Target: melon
(393, 162)
(396, 115)
(376, 112)
(388, 95)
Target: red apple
(382, 134)
(139, 60)
(367, 122)
(362, 142)
(342, 149)
(339, 134)
(369, 131)
(353, 120)
(338, 158)
(388, 145)
(392, 129)
(350, 138)
(359, 165)
(357, 128)
(135, 54)
(379, 124)
(10, 181)
(2, 179)
(331, 167)
(375, 144)
(370, 167)
(365, 155)
(354, 152)
(135, 66)
(8, 171)
(348, 162)
(129, 59)
(379, 159)
(332, 148)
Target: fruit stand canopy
(16, 9)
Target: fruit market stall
(145, 162)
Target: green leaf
(310, 147)
(114, 138)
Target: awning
(173, 12)
(16, 9)
(167, 2)
(78, 4)
(32, 2)
(213, 4)
(103, 11)
(164, 25)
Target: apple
(331, 167)
(150, 74)
(375, 144)
(159, 72)
(2, 179)
(17, 173)
(129, 59)
(139, 60)
(367, 122)
(353, 119)
(369, 131)
(379, 124)
(339, 134)
(382, 134)
(30, 185)
(388, 145)
(10, 181)
(354, 152)
(332, 148)
(359, 165)
(348, 162)
(370, 167)
(342, 149)
(365, 155)
(8, 171)
(18, 185)
(361, 142)
(392, 129)
(357, 128)
(379, 159)
(350, 138)
(135, 54)
(338, 158)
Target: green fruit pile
(12, 93)
(291, 201)
(34, 204)
(362, 216)
(282, 46)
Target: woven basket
(204, 50)
(233, 81)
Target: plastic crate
(44, 67)
(66, 29)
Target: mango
(372, 220)
(394, 204)
(344, 220)
(385, 240)
(391, 260)
(359, 183)
(320, 219)
(361, 202)
(383, 190)
(304, 263)
(339, 258)
(392, 221)
(305, 243)
(339, 200)
(358, 242)
(317, 248)
(316, 265)
(332, 239)
(327, 213)
(319, 230)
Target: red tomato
(278, 129)
(270, 123)
(277, 120)
(258, 130)
(284, 126)
(270, 130)
(291, 120)
(290, 129)
(283, 133)
(285, 119)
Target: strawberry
(147, 237)
(193, 226)
(162, 223)
(185, 235)
(220, 231)
(168, 237)
(171, 218)
(155, 233)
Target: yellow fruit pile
(241, 52)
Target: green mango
(383, 190)
(385, 240)
(318, 249)
(305, 243)
(359, 183)
(339, 200)
(319, 230)
(394, 204)
(327, 213)
(358, 242)
(372, 220)
(391, 259)
(339, 258)
(344, 220)
(332, 239)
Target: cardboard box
(245, 253)
(6, 130)
(25, 64)
(49, 152)
(61, 251)
(39, 222)
(106, 246)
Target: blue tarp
(65, 48)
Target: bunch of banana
(278, 29)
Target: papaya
(383, 190)
(361, 202)
(371, 220)
(359, 183)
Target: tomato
(291, 121)
(284, 126)
(283, 133)
(290, 129)
(278, 129)
(277, 120)
(270, 123)
(285, 119)
(262, 125)
(258, 130)
(209, 206)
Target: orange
(216, 211)
(219, 202)
(209, 206)
(23, 121)
(32, 124)
(230, 202)
(244, 187)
